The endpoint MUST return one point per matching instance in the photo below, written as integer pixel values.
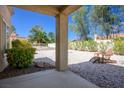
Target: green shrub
(121, 38)
(83, 46)
(21, 44)
(91, 46)
(70, 46)
(102, 47)
(20, 57)
(78, 45)
(87, 45)
(73, 45)
(119, 46)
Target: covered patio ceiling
(51, 10)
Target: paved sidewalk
(47, 79)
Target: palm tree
(38, 35)
(51, 37)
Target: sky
(24, 20)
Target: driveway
(74, 56)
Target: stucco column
(0, 40)
(61, 42)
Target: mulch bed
(11, 72)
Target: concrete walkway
(47, 79)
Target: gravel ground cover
(103, 75)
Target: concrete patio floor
(47, 79)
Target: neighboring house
(5, 26)
(117, 35)
(22, 38)
(96, 37)
(13, 36)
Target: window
(3, 36)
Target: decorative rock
(44, 62)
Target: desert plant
(85, 45)
(119, 46)
(91, 46)
(80, 46)
(102, 47)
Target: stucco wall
(4, 18)
(5, 14)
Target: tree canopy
(107, 18)
(38, 35)
(100, 19)
(51, 36)
(80, 23)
